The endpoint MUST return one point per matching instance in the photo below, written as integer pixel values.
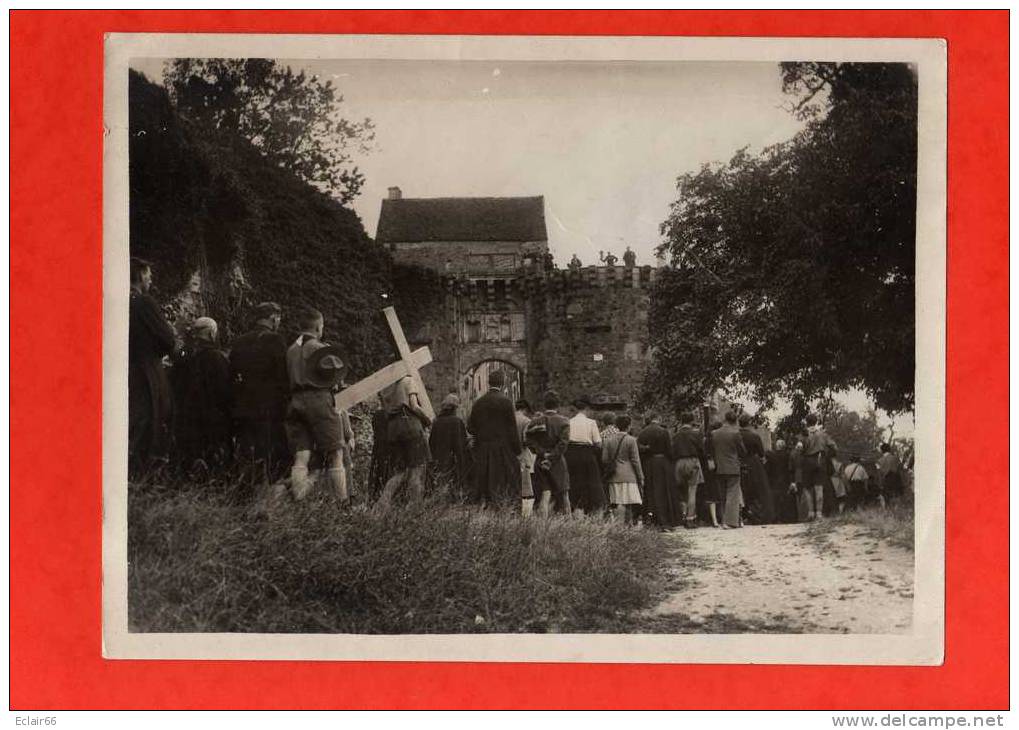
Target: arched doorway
(475, 382)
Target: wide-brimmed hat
(325, 367)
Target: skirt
(662, 495)
(586, 489)
(496, 474)
(624, 493)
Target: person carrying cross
(407, 451)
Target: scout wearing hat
(312, 422)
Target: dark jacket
(203, 395)
(493, 422)
(448, 443)
(728, 450)
(258, 367)
(493, 419)
(654, 440)
(150, 338)
(548, 436)
(779, 466)
(687, 444)
(752, 442)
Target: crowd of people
(270, 406)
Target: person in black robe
(493, 423)
(150, 338)
(261, 393)
(202, 423)
(777, 463)
(661, 497)
(448, 444)
(755, 478)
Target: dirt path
(786, 578)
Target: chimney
(395, 193)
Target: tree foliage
(792, 270)
(213, 203)
(292, 118)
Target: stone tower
(506, 307)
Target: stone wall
(580, 332)
(469, 258)
(590, 333)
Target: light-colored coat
(628, 469)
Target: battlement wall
(581, 332)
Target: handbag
(608, 469)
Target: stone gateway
(508, 308)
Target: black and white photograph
(524, 349)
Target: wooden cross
(408, 364)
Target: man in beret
(258, 364)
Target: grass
(893, 524)
(198, 562)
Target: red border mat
(56, 277)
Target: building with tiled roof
(464, 236)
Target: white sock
(299, 481)
(337, 478)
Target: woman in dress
(662, 499)
(448, 445)
(625, 477)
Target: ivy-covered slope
(202, 202)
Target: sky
(603, 142)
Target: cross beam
(408, 364)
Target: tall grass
(199, 563)
(894, 523)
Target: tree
(856, 434)
(792, 270)
(292, 118)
